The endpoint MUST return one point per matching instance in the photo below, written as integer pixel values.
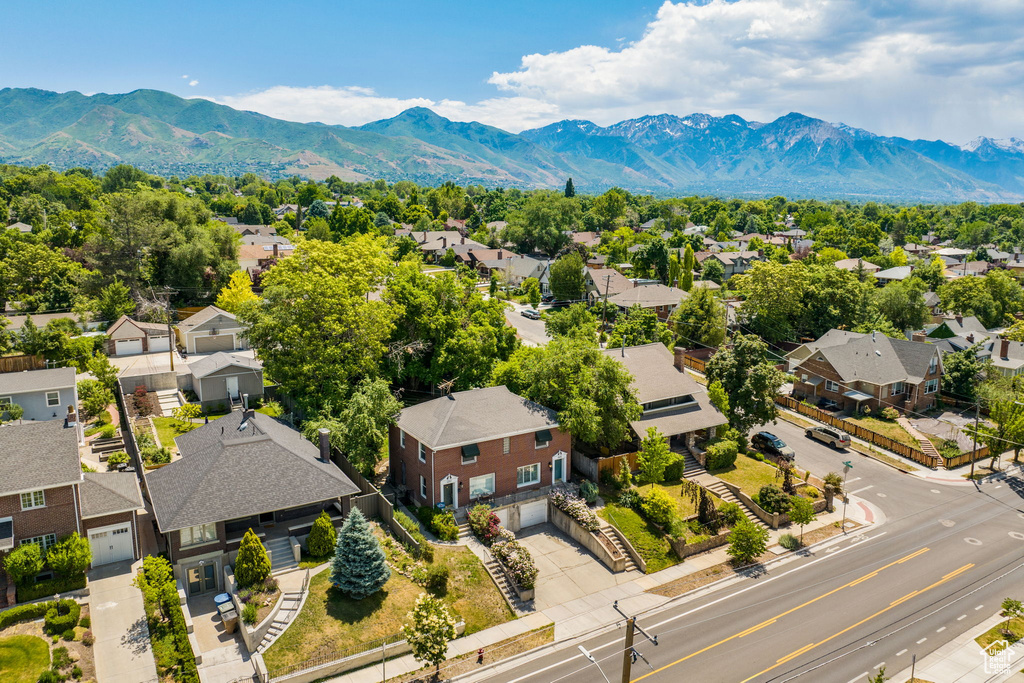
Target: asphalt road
(531, 332)
(942, 563)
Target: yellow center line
(807, 648)
(769, 622)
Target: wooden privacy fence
(373, 503)
(967, 458)
(694, 363)
(21, 363)
(593, 468)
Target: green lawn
(893, 430)
(330, 622)
(995, 633)
(167, 428)
(645, 538)
(684, 505)
(23, 659)
(749, 474)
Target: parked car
(548, 298)
(833, 437)
(530, 313)
(771, 445)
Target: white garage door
(533, 513)
(126, 347)
(159, 343)
(502, 516)
(111, 544)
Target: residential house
(854, 264)
(477, 444)
(956, 326)
(128, 337)
(919, 250)
(672, 401)
(605, 281)
(209, 330)
(931, 300)
(243, 471)
(958, 255)
(520, 268)
(831, 338)
(658, 298)
(873, 371)
(1006, 356)
(248, 231)
(706, 284)
(435, 243)
(43, 394)
(888, 275)
(254, 257)
(223, 378)
(44, 496)
(588, 239)
(733, 262)
(23, 228)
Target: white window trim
(832, 386)
(422, 452)
(894, 391)
(934, 383)
(494, 481)
(537, 446)
(6, 401)
(41, 541)
(506, 445)
(530, 483)
(31, 495)
(56, 400)
(423, 487)
(203, 541)
(401, 438)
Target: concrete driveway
(565, 570)
(122, 647)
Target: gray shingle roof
(648, 296)
(879, 359)
(227, 472)
(219, 361)
(474, 416)
(201, 317)
(36, 380)
(897, 273)
(107, 493)
(37, 455)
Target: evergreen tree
(686, 283)
(322, 536)
(252, 565)
(359, 567)
(570, 189)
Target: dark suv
(771, 445)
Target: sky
(932, 69)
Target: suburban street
(941, 564)
(531, 332)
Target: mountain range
(794, 155)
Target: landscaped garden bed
(167, 631)
(32, 645)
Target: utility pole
(847, 466)
(604, 309)
(974, 438)
(627, 650)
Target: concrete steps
(168, 400)
(290, 604)
(691, 468)
(613, 533)
(464, 533)
(718, 488)
(281, 557)
(505, 586)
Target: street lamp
(593, 661)
(847, 466)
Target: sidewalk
(961, 661)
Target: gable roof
(146, 328)
(108, 493)
(197, 319)
(833, 337)
(897, 273)
(237, 467)
(853, 263)
(648, 296)
(474, 416)
(615, 283)
(38, 455)
(36, 380)
(220, 360)
(878, 359)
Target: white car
(832, 437)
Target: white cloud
(193, 82)
(927, 68)
(185, 76)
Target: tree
(1009, 419)
(591, 392)
(114, 301)
(902, 303)
(37, 277)
(638, 326)
(713, 270)
(252, 564)
(747, 542)
(15, 412)
(70, 556)
(318, 209)
(322, 536)
(570, 189)
(492, 289)
(236, 293)
(531, 289)
(962, 371)
(94, 398)
(123, 177)
(542, 222)
(686, 283)
(101, 368)
(933, 273)
(24, 562)
(654, 457)
(1011, 609)
(365, 420)
(566, 279)
(316, 328)
(184, 414)
(609, 207)
(431, 627)
(359, 568)
(572, 320)
(750, 379)
(699, 320)
(801, 511)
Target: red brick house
(870, 370)
(477, 444)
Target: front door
(558, 468)
(448, 494)
(232, 384)
(202, 579)
(266, 519)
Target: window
(831, 386)
(931, 386)
(469, 453)
(481, 486)
(401, 438)
(423, 488)
(33, 499)
(933, 365)
(423, 452)
(897, 388)
(525, 476)
(44, 541)
(203, 533)
(53, 398)
(506, 445)
(5, 401)
(541, 439)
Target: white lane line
(978, 607)
(850, 481)
(921, 641)
(900, 652)
(853, 493)
(878, 666)
(860, 679)
(940, 630)
(962, 616)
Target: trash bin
(230, 620)
(221, 598)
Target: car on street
(530, 313)
(833, 437)
(773, 446)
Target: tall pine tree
(570, 189)
(359, 567)
(252, 564)
(686, 282)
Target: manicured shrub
(70, 557)
(43, 589)
(76, 672)
(444, 525)
(69, 635)
(60, 658)
(889, 413)
(88, 639)
(517, 560)
(484, 523)
(589, 491)
(252, 565)
(117, 458)
(322, 536)
(23, 613)
(630, 498)
(730, 513)
(674, 469)
(773, 499)
(574, 506)
(789, 541)
(658, 507)
(108, 431)
(61, 616)
(24, 562)
(50, 676)
(249, 613)
(721, 455)
(360, 567)
(437, 579)
(85, 622)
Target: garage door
(533, 513)
(222, 342)
(111, 544)
(159, 343)
(126, 347)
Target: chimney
(970, 337)
(245, 401)
(677, 360)
(72, 417)
(959, 319)
(501, 254)
(1004, 349)
(248, 414)
(760, 253)
(275, 250)
(325, 444)
(444, 242)
(919, 337)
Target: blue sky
(950, 69)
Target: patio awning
(543, 436)
(813, 381)
(470, 450)
(858, 396)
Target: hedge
(62, 616)
(24, 613)
(674, 470)
(721, 455)
(50, 587)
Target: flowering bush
(504, 535)
(484, 523)
(577, 508)
(516, 559)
